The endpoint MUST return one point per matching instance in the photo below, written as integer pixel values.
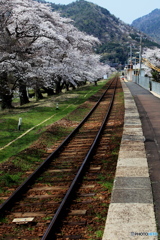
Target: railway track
(36, 209)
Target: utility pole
(140, 56)
(130, 54)
(130, 65)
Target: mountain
(149, 24)
(93, 19)
(116, 36)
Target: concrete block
(124, 220)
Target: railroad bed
(71, 188)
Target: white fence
(147, 83)
(155, 87)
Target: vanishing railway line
(67, 175)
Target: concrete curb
(131, 212)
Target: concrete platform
(131, 213)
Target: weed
(99, 233)
(3, 220)
(9, 179)
(60, 176)
(101, 177)
(107, 185)
(40, 179)
(30, 228)
(98, 217)
(114, 152)
(90, 228)
(47, 218)
(49, 193)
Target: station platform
(134, 211)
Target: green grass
(9, 179)
(33, 114)
(108, 186)
(99, 233)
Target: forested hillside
(115, 36)
(88, 17)
(149, 24)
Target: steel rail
(17, 194)
(50, 232)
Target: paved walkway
(149, 111)
(131, 213)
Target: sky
(125, 10)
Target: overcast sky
(126, 10)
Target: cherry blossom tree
(153, 55)
(152, 60)
(38, 48)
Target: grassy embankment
(44, 113)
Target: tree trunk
(59, 86)
(38, 94)
(5, 92)
(6, 102)
(73, 86)
(49, 91)
(58, 89)
(67, 86)
(23, 95)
